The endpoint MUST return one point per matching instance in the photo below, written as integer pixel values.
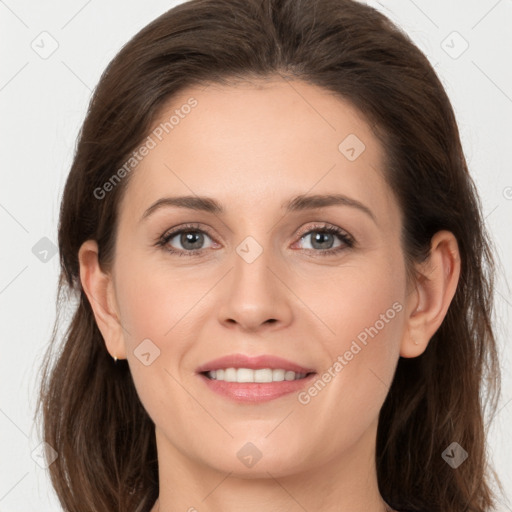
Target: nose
(256, 296)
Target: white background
(43, 103)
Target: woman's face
(259, 275)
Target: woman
(323, 342)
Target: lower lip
(256, 391)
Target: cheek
(360, 301)
(364, 310)
(143, 305)
(152, 300)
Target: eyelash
(193, 228)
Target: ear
(98, 287)
(434, 291)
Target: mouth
(254, 379)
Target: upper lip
(254, 363)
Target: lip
(253, 363)
(255, 392)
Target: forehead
(255, 144)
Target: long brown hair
(91, 413)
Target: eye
(190, 238)
(324, 237)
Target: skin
(252, 146)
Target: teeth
(248, 375)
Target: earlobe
(435, 289)
(99, 289)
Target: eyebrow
(298, 203)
